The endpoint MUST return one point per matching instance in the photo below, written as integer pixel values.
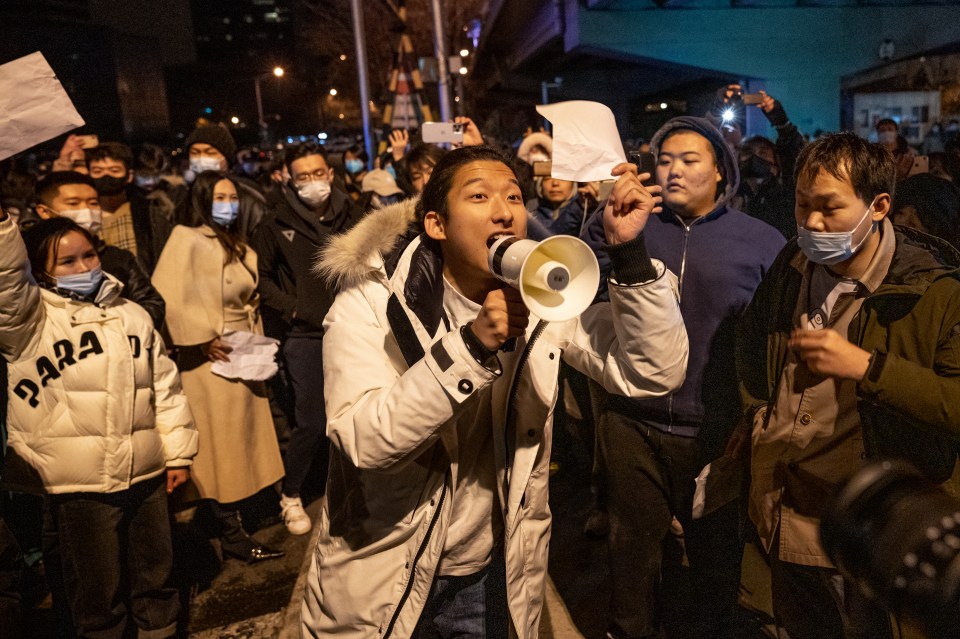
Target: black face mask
(109, 185)
(756, 167)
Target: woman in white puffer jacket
(97, 422)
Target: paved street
(231, 600)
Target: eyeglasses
(318, 175)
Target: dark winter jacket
(775, 199)
(122, 264)
(566, 221)
(295, 299)
(151, 228)
(909, 402)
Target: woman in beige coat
(208, 277)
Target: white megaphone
(557, 278)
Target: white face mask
(832, 248)
(314, 193)
(90, 219)
(204, 163)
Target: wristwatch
(484, 356)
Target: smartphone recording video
(442, 132)
(646, 163)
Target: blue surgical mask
(84, 284)
(832, 248)
(147, 182)
(225, 213)
(353, 166)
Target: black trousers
(819, 603)
(11, 568)
(308, 441)
(116, 556)
(649, 479)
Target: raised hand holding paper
(34, 107)
(586, 143)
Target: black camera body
(897, 535)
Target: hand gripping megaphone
(557, 278)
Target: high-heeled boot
(237, 543)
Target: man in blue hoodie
(654, 449)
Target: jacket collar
(918, 261)
(670, 217)
(352, 257)
(386, 244)
(306, 220)
(109, 293)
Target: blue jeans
(470, 607)
(116, 556)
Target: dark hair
(357, 151)
(112, 151)
(882, 121)
(294, 153)
(18, 184)
(201, 212)
(847, 156)
(424, 154)
(937, 203)
(435, 194)
(49, 187)
(43, 241)
(151, 159)
(757, 142)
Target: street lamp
(333, 92)
(278, 72)
(235, 120)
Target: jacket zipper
(416, 558)
(515, 387)
(683, 270)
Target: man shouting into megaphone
(440, 395)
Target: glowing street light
(343, 57)
(333, 91)
(663, 106)
(463, 70)
(464, 53)
(235, 120)
(278, 72)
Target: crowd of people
(772, 313)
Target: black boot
(237, 543)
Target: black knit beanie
(217, 137)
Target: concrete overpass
(629, 52)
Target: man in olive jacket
(849, 350)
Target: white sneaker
(295, 518)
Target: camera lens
(898, 537)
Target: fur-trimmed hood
(348, 258)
